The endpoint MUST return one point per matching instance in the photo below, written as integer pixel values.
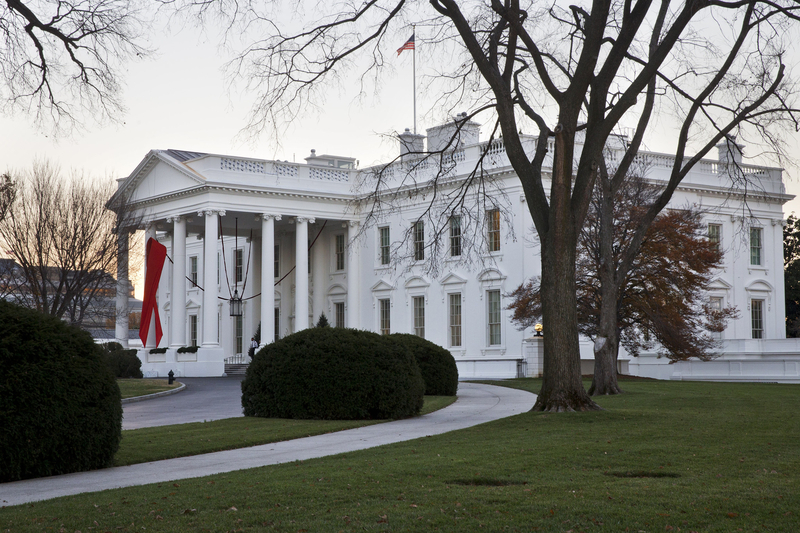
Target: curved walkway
(476, 404)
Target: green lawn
(153, 444)
(665, 456)
(139, 387)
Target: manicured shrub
(333, 373)
(122, 363)
(437, 366)
(60, 408)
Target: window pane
(715, 234)
(493, 229)
(193, 330)
(385, 317)
(384, 246)
(277, 261)
(193, 269)
(340, 252)
(755, 246)
(239, 334)
(493, 299)
(455, 319)
(339, 307)
(419, 316)
(455, 236)
(239, 261)
(419, 241)
(757, 318)
(277, 323)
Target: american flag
(408, 46)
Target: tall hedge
(437, 365)
(333, 373)
(60, 407)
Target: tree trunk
(562, 388)
(605, 366)
(606, 342)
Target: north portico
(234, 225)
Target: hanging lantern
(236, 304)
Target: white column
(301, 273)
(178, 296)
(121, 330)
(318, 277)
(268, 277)
(353, 277)
(211, 234)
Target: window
(419, 316)
(455, 236)
(217, 270)
(455, 319)
(338, 312)
(419, 241)
(193, 270)
(340, 252)
(277, 273)
(385, 246)
(277, 323)
(385, 308)
(493, 229)
(238, 259)
(309, 257)
(238, 334)
(493, 313)
(715, 235)
(757, 318)
(755, 246)
(192, 330)
(715, 304)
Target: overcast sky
(180, 99)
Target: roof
(184, 155)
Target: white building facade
(295, 242)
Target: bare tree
(716, 67)
(61, 58)
(8, 191)
(63, 242)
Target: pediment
(382, 285)
(760, 285)
(417, 282)
(157, 175)
(452, 279)
(192, 304)
(719, 284)
(491, 274)
(336, 290)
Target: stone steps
(235, 369)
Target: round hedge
(437, 366)
(60, 407)
(333, 373)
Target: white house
(237, 224)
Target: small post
(171, 376)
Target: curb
(154, 395)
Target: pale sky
(180, 99)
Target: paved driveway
(477, 403)
(203, 399)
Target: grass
(153, 444)
(131, 388)
(665, 456)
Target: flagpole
(414, 68)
